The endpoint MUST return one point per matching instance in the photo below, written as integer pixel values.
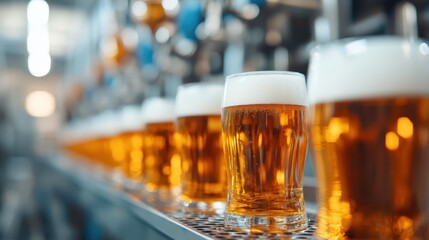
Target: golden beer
(117, 153)
(133, 163)
(370, 139)
(131, 136)
(265, 141)
(106, 146)
(374, 184)
(260, 185)
(97, 150)
(203, 164)
(204, 176)
(161, 160)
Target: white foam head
(75, 131)
(131, 119)
(266, 87)
(156, 110)
(107, 124)
(199, 99)
(368, 68)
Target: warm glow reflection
(176, 169)
(337, 213)
(136, 156)
(392, 141)
(280, 177)
(405, 227)
(405, 127)
(109, 47)
(136, 163)
(336, 127)
(117, 150)
(40, 104)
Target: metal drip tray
(213, 228)
(165, 218)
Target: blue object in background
(260, 3)
(109, 80)
(190, 16)
(145, 53)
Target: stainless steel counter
(132, 215)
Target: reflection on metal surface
(213, 227)
(40, 104)
(163, 214)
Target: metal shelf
(159, 219)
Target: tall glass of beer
(265, 143)
(161, 157)
(132, 138)
(204, 182)
(369, 118)
(106, 148)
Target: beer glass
(161, 162)
(115, 147)
(369, 118)
(106, 147)
(265, 142)
(204, 182)
(132, 139)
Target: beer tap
(406, 20)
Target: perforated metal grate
(212, 226)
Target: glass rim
(266, 72)
(344, 41)
(190, 84)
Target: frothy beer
(161, 158)
(369, 120)
(265, 137)
(204, 175)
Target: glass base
(202, 207)
(116, 178)
(132, 186)
(162, 197)
(274, 224)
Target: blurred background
(65, 60)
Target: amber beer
(132, 139)
(161, 157)
(370, 139)
(133, 144)
(104, 146)
(265, 138)
(204, 176)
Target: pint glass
(265, 141)
(132, 139)
(204, 182)
(161, 158)
(369, 117)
